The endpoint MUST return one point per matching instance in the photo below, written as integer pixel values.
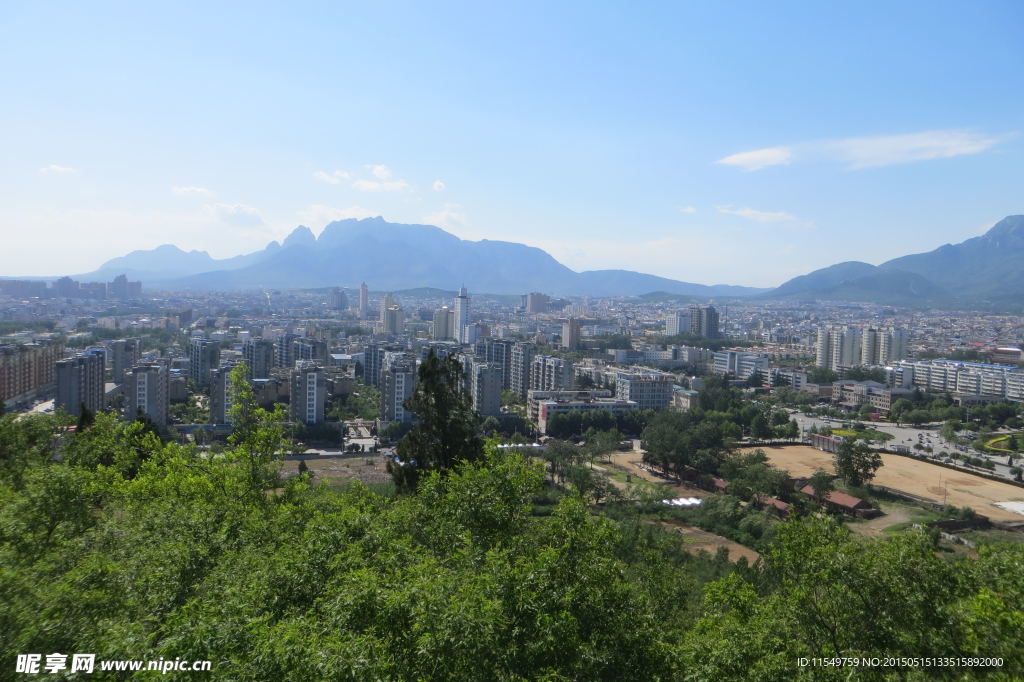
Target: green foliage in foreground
(133, 548)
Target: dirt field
(696, 540)
(630, 462)
(915, 477)
(342, 470)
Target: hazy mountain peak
(300, 236)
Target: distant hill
(389, 257)
(982, 272)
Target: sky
(739, 143)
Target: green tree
(759, 428)
(855, 462)
(258, 436)
(446, 428)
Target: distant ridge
(391, 256)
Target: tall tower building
(364, 301)
(147, 390)
(461, 314)
(308, 393)
(823, 348)
(123, 354)
(309, 349)
(259, 357)
(80, 382)
(387, 302)
(203, 358)
(870, 346)
(398, 380)
(571, 334)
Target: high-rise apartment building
(222, 395)
(373, 362)
(548, 373)
(678, 322)
(649, 391)
(339, 300)
(537, 302)
(704, 321)
(571, 334)
(521, 361)
(80, 382)
(147, 392)
(203, 358)
(443, 324)
(308, 393)
(313, 350)
(485, 388)
(122, 355)
(461, 315)
(394, 320)
(284, 350)
(398, 380)
(28, 369)
(385, 303)
(259, 357)
(497, 352)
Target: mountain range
(982, 272)
(390, 256)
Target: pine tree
(446, 429)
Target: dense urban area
(429, 484)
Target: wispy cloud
(380, 185)
(758, 159)
(758, 216)
(687, 209)
(888, 150)
(870, 151)
(439, 186)
(238, 215)
(54, 169)
(335, 177)
(319, 214)
(188, 190)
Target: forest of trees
(115, 542)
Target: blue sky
(737, 142)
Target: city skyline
(709, 136)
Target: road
(907, 436)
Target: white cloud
(380, 171)
(334, 177)
(188, 190)
(759, 158)
(239, 215)
(870, 151)
(318, 214)
(450, 217)
(888, 150)
(439, 186)
(380, 186)
(688, 209)
(54, 169)
(758, 216)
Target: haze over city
(743, 144)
